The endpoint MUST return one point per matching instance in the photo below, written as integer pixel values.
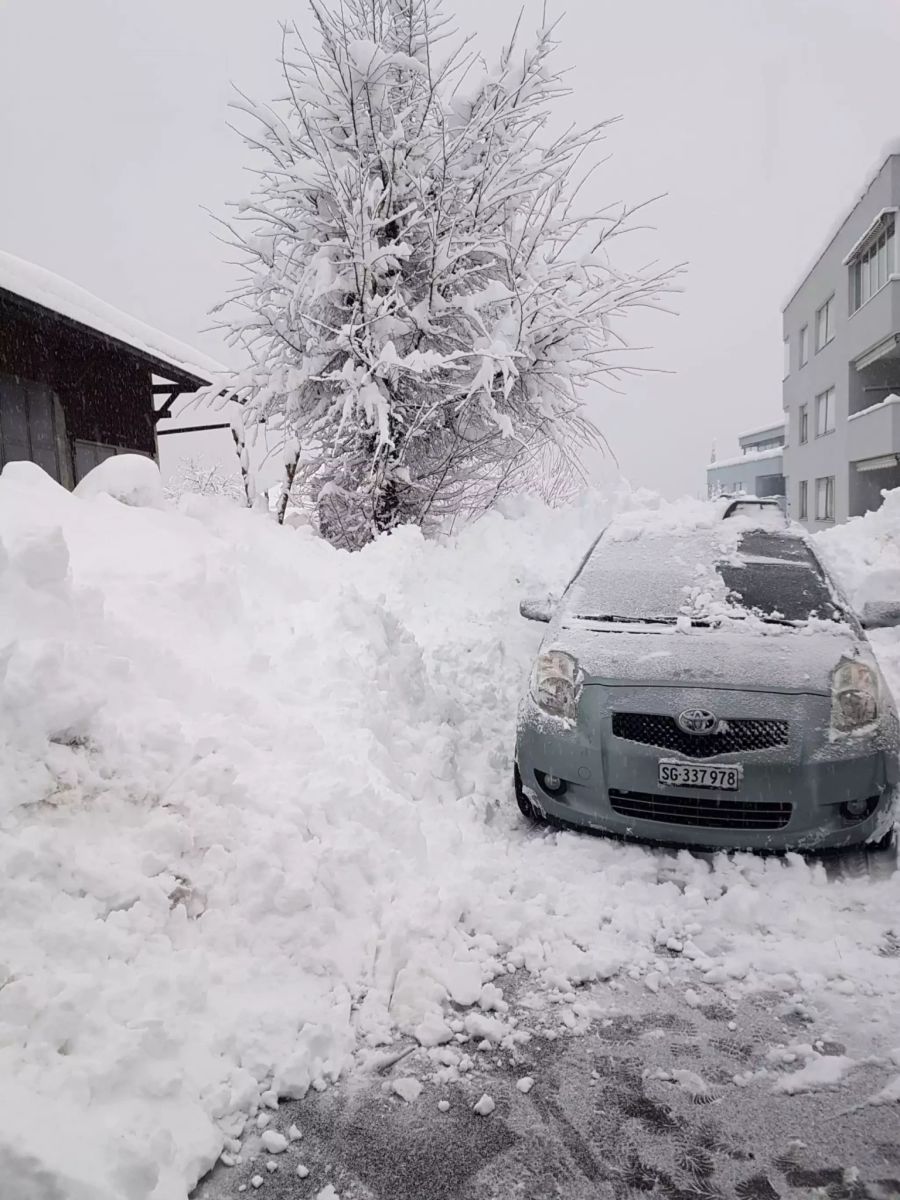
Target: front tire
(885, 844)
(526, 808)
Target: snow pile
(865, 553)
(129, 478)
(256, 815)
(818, 1070)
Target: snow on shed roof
(50, 291)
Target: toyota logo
(698, 720)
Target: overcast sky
(757, 120)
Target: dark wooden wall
(104, 391)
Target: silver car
(710, 687)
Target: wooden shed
(80, 380)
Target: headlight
(854, 696)
(556, 684)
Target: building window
(825, 412)
(786, 369)
(803, 501)
(804, 345)
(825, 323)
(825, 499)
(873, 264)
(32, 427)
(803, 424)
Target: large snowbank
(255, 815)
(865, 553)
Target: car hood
(778, 659)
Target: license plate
(679, 774)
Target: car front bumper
(809, 780)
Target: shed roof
(32, 285)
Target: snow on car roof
(666, 520)
(51, 291)
(684, 517)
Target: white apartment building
(841, 391)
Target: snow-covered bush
(424, 302)
(193, 476)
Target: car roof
(743, 505)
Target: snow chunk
(433, 1031)
(491, 999)
(274, 1142)
(129, 478)
(692, 1083)
(407, 1088)
(478, 1025)
(822, 1071)
(462, 980)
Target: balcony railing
(874, 431)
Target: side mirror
(537, 608)
(881, 614)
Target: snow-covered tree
(424, 303)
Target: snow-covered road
(254, 796)
(684, 1103)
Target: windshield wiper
(615, 619)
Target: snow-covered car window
(779, 590)
(778, 577)
(659, 579)
(641, 579)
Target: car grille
(707, 812)
(743, 734)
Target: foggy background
(758, 119)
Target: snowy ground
(752, 1100)
(255, 824)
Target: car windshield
(771, 574)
